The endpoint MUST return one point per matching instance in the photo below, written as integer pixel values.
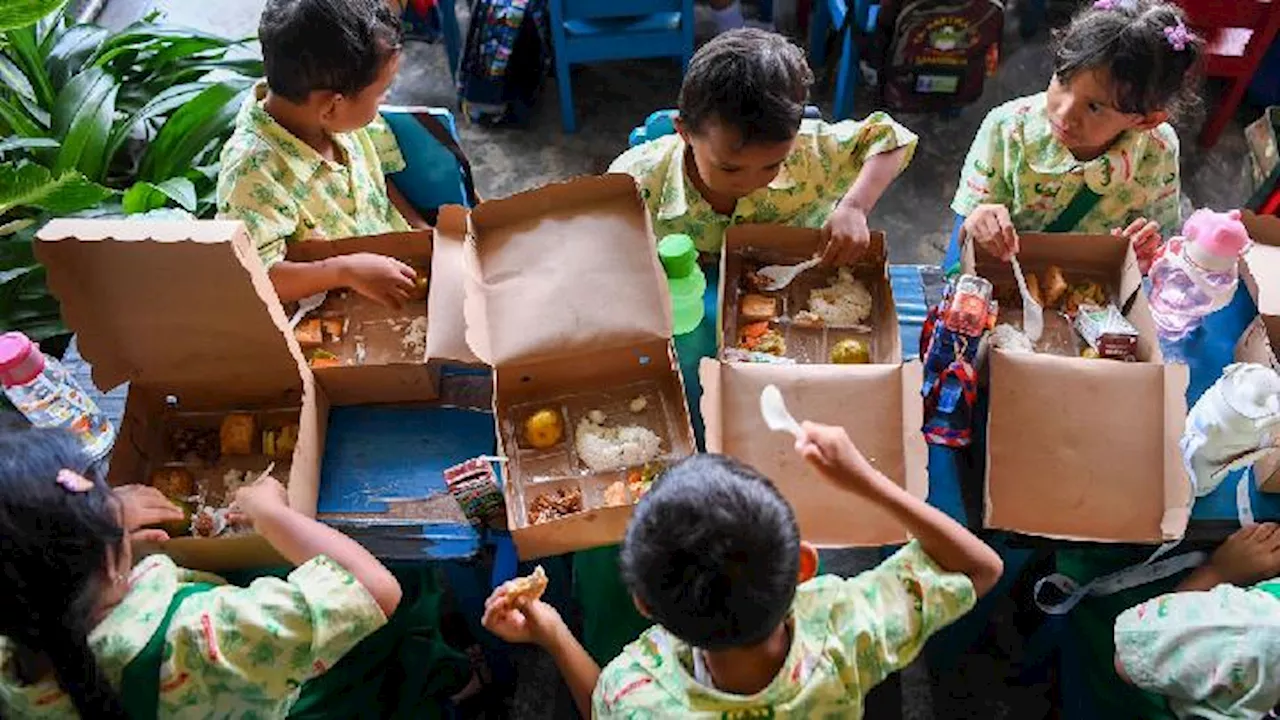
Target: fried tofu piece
(759, 307)
(309, 333)
(238, 432)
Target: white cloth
(1233, 424)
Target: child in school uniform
(309, 155)
(743, 624)
(1094, 153)
(1211, 648)
(85, 632)
(742, 152)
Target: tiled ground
(611, 99)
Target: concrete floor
(914, 213)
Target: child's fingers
(150, 535)
(1134, 226)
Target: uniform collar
(302, 160)
(677, 189)
(1045, 154)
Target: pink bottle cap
(1217, 239)
(20, 360)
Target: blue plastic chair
(587, 31)
(849, 20)
(436, 171)
(663, 122)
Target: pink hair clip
(1106, 5)
(74, 482)
(1179, 36)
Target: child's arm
(950, 545)
(846, 232)
(521, 621)
(406, 208)
(384, 280)
(299, 539)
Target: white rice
(845, 302)
(610, 448)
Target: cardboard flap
(563, 269)
(1050, 419)
(411, 245)
(169, 303)
(447, 331)
(822, 393)
(798, 242)
(1261, 268)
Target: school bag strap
(140, 681)
(441, 134)
(1084, 201)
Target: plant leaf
(145, 196)
(190, 129)
(162, 104)
(142, 34)
(21, 13)
(14, 79)
(25, 143)
(70, 53)
(25, 51)
(82, 118)
(30, 185)
(19, 120)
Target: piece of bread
(759, 307)
(1054, 286)
(529, 587)
(309, 333)
(174, 482)
(238, 432)
(1033, 287)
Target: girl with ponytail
(83, 631)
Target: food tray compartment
(370, 333)
(639, 405)
(527, 499)
(806, 344)
(836, 335)
(798, 293)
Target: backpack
(505, 61)
(936, 54)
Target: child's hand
(520, 621)
(830, 450)
(846, 235)
(1249, 556)
(1144, 234)
(990, 227)
(141, 506)
(253, 502)
(382, 279)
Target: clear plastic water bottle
(42, 390)
(1196, 273)
(685, 280)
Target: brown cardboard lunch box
(184, 312)
(1079, 448)
(566, 300)
(382, 355)
(878, 403)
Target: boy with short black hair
(742, 152)
(309, 156)
(713, 556)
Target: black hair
(713, 553)
(337, 45)
(753, 81)
(54, 552)
(1128, 39)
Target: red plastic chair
(1237, 34)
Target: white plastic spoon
(775, 412)
(777, 277)
(306, 305)
(1032, 313)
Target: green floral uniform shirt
(847, 636)
(1215, 655)
(239, 653)
(1016, 161)
(284, 191)
(823, 163)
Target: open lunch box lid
(167, 304)
(592, 234)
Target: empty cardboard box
(566, 300)
(184, 312)
(1079, 448)
(376, 354)
(877, 402)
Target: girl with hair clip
(1094, 153)
(83, 631)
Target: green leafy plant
(103, 123)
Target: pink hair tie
(74, 482)
(1179, 36)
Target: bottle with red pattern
(42, 390)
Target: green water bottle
(685, 281)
